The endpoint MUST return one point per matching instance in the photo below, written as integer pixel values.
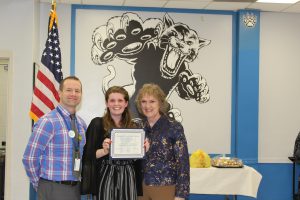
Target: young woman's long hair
(126, 121)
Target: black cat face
(181, 44)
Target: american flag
(45, 93)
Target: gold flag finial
(53, 16)
(53, 5)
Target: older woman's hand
(146, 144)
(179, 198)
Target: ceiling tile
(103, 2)
(187, 4)
(227, 6)
(293, 8)
(69, 1)
(276, 7)
(145, 3)
(190, 1)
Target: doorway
(4, 85)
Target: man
(52, 158)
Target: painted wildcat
(159, 51)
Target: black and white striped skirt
(117, 180)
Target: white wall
(16, 37)
(279, 102)
(22, 40)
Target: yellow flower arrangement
(200, 159)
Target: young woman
(166, 165)
(110, 179)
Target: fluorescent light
(277, 1)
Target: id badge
(77, 161)
(77, 164)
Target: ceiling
(193, 4)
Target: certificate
(127, 143)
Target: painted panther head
(180, 44)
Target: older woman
(166, 167)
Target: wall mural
(160, 51)
(188, 54)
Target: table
(227, 181)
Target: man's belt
(72, 183)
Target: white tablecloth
(227, 181)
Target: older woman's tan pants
(158, 192)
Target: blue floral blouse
(167, 160)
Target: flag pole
(32, 193)
(33, 85)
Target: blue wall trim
(32, 193)
(247, 88)
(73, 28)
(234, 87)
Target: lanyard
(75, 143)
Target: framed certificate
(127, 144)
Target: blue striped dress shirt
(49, 153)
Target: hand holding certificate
(127, 144)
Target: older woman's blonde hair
(154, 90)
